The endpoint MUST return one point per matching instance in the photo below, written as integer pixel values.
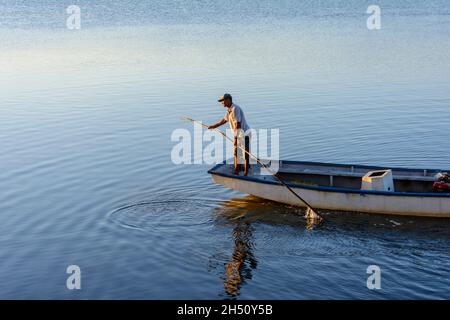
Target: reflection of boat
(344, 187)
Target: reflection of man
(235, 270)
(235, 117)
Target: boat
(345, 187)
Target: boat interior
(353, 176)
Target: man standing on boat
(235, 117)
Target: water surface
(85, 122)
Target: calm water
(85, 123)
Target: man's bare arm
(218, 124)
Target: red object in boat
(441, 187)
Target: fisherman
(235, 117)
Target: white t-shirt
(234, 115)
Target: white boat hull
(409, 205)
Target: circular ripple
(157, 214)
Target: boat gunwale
(355, 166)
(333, 189)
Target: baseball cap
(225, 96)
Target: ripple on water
(149, 215)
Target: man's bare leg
(236, 164)
(246, 156)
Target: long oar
(310, 212)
